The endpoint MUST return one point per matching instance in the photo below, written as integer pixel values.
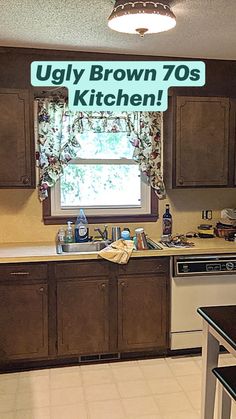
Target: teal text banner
(119, 85)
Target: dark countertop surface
(223, 320)
(227, 377)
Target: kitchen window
(103, 162)
(104, 180)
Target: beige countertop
(43, 252)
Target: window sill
(49, 219)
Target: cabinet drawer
(81, 269)
(136, 266)
(23, 271)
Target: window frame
(50, 219)
(145, 206)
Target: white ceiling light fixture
(141, 17)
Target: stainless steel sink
(96, 246)
(83, 247)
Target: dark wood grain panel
(140, 266)
(142, 313)
(23, 321)
(81, 269)
(24, 271)
(16, 150)
(83, 316)
(202, 141)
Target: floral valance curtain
(58, 139)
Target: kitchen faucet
(104, 234)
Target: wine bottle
(167, 222)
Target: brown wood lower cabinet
(83, 316)
(23, 320)
(143, 305)
(142, 308)
(50, 312)
(103, 307)
(82, 307)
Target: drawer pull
(122, 284)
(160, 268)
(19, 273)
(103, 286)
(41, 290)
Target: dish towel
(118, 251)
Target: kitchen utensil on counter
(178, 241)
(205, 231)
(141, 240)
(115, 233)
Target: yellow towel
(118, 252)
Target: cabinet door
(142, 312)
(23, 320)
(16, 150)
(82, 316)
(202, 141)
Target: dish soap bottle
(69, 233)
(81, 228)
(60, 240)
(167, 222)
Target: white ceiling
(205, 28)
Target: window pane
(105, 145)
(101, 185)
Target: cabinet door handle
(19, 273)
(122, 284)
(181, 181)
(25, 180)
(103, 286)
(41, 290)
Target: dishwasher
(198, 281)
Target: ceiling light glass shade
(141, 17)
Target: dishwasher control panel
(204, 264)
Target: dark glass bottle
(167, 221)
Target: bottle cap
(69, 223)
(139, 230)
(125, 235)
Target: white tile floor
(167, 388)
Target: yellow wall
(21, 213)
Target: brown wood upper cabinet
(201, 132)
(16, 140)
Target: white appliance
(198, 281)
